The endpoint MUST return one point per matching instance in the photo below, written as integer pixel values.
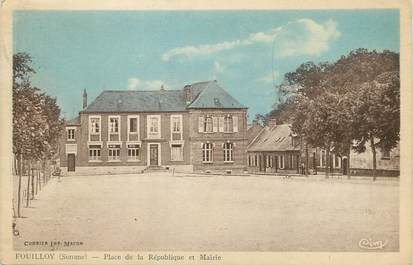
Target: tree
(36, 119)
(356, 99)
(377, 112)
(370, 79)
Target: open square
(158, 211)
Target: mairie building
(197, 128)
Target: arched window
(228, 124)
(207, 152)
(228, 147)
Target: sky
(247, 52)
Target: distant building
(198, 128)
(274, 149)
(387, 162)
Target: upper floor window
(133, 125)
(153, 126)
(176, 127)
(228, 127)
(228, 147)
(114, 125)
(133, 128)
(176, 124)
(208, 124)
(71, 134)
(228, 123)
(94, 128)
(95, 125)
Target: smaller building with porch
(274, 149)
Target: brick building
(198, 128)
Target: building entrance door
(153, 154)
(71, 162)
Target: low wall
(180, 168)
(103, 170)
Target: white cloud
(302, 36)
(305, 37)
(135, 83)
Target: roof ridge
(202, 82)
(126, 90)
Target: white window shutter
(201, 124)
(215, 124)
(235, 123)
(221, 124)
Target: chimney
(188, 93)
(272, 122)
(162, 88)
(84, 99)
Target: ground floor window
(177, 153)
(207, 152)
(94, 152)
(255, 160)
(337, 161)
(281, 162)
(114, 152)
(133, 151)
(269, 164)
(322, 158)
(228, 147)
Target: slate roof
(274, 138)
(213, 96)
(74, 121)
(253, 131)
(205, 94)
(138, 101)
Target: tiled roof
(212, 96)
(205, 95)
(74, 121)
(274, 138)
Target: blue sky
(143, 50)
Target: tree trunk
(28, 185)
(19, 199)
(348, 163)
(37, 181)
(300, 162)
(327, 162)
(40, 180)
(373, 150)
(32, 184)
(15, 170)
(306, 160)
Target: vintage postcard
(206, 133)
